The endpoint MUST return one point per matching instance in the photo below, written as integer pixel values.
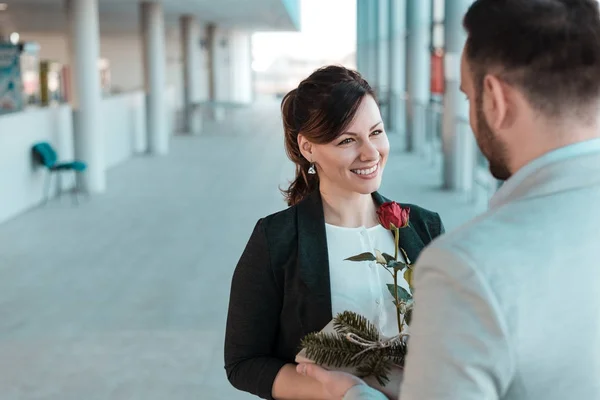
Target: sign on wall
(11, 84)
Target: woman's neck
(349, 210)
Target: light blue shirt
(502, 196)
(554, 156)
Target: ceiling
(117, 16)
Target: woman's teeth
(365, 171)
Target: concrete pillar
(383, 64)
(361, 36)
(241, 88)
(192, 67)
(397, 68)
(84, 43)
(418, 69)
(218, 48)
(155, 63)
(371, 11)
(210, 74)
(205, 81)
(383, 46)
(458, 143)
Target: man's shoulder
(479, 241)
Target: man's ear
(496, 102)
(306, 147)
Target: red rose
(392, 213)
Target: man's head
(531, 70)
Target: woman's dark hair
(320, 108)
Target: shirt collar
(554, 156)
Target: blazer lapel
(313, 260)
(411, 243)
(409, 239)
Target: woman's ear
(306, 147)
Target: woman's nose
(369, 152)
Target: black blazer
(281, 291)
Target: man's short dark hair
(550, 49)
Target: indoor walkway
(125, 296)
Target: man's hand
(336, 384)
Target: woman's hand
(335, 384)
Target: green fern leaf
(332, 349)
(350, 322)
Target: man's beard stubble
(491, 147)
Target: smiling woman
(333, 128)
(292, 277)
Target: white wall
(22, 181)
(124, 126)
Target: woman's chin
(367, 187)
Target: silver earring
(311, 169)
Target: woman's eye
(377, 132)
(345, 141)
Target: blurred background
(141, 141)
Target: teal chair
(44, 154)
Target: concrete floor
(125, 296)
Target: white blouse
(362, 286)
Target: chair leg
(75, 189)
(47, 182)
(59, 189)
